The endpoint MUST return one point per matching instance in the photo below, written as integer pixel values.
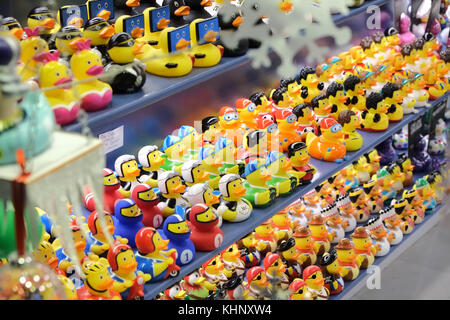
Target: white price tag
(112, 140)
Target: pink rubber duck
(406, 36)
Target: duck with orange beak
(178, 10)
(363, 247)
(43, 18)
(227, 28)
(275, 271)
(378, 235)
(202, 193)
(197, 10)
(127, 170)
(287, 128)
(171, 186)
(290, 256)
(311, 86)
(45, 253)
(231, 257)
(299, 158)
(348, 260)
(386, 182)
(258, 192)
(315, 281)
(392, 223)
(126, 7)
(98, 283)
(205, 234)
(14, 27)
(374, 118)
(99, 30)
(233, 206)
(204, 34)
(334, 222)
(125, 73)
(280, 166)
(427, 194)
(258, 285)
(319, 234)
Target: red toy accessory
(225, 110)
(270, 259)
(114, 252)
(243, 103)
(309, 271)
(253, 272)
(296, 285)
(327, 123)
(144, 240)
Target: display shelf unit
(235, 231)
(158, 88)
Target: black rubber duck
(229, 27)
(129, 7)
(178, 10)
(197, 10)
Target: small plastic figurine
(386, 151)
(328, 146)
(250, 255)
(403, 211)
(98, 283)
(274, 269)
(348, 260)
(305, 246)
(194, 286)
(127, 280)
(385, 181)
(86, 65)
(407, 168)
(363, 247)
(417, 209)
(379, 235)
(14, 27)
(329, 266)
(231, 257)
(214, 272)
(374, 118)
(305, 120)
(360, 201)
(265, 237)
(202, 193)
(298, 155)
(363, 169)
(153, 257)
(263, 104)
(392, 97)
(171, 187)
(128, 220)
(99, 30)
(175, 292)
(426, 193)
(258, 285)
(229, 125)
(290, 255)
(420, 158)
(247, 113)
(349, 122)
(299, 213)
(320, 108)
(233, 206)
(127, 170)
(347, 212)
(406, 36)
(42, 18)
(311, 86)
(174, 151)
(287, 125)
(293, 89)
(204, 33)
(210, 130)
(438, 144)
(355, 93)
(281, 98)
(151, 160)
(298, 290)
(282, 224)
(212, 162)
(392, 223)
(257, 191)
(110, 191)
(337, 99)
(435, 181)
(205, 234)
(45, 253)
(334, 222)
(176, 230)
(373, 158)
(147, 201)
(320, 235)
(279, 165)
(227, 28)
(315, 281)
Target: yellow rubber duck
(320, 108)
(275, 270)
(45, 253)
(99, 31)
(151, 159)
(315, 281)
(174, 151)
(258, 191)
(298, 290)
(294, 90)
(231, 258)
(362, 169)
(127, 170)
(212, 162)
(311, 86)
(155, 20)
(301, 169)
(42, 18)
(265, 237)
(355, 92)
(214, 272)
(204, 32)
(69, 288)
(393, 98)
(305, 246)
(435, 87)
(193, 172)
(98, 284)
(172, 63)
(363, 247)
(319, 234)
(337, 99)
(375, 118)
(349, 122)
(263, 104)
(64, 37)
(280, 166)
(258, 285)
(30, 48)
(233, 207)
(172, 187)
(282, 223)
(348, 260)
(246, 110)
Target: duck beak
(206, 3)
(137, 32)
(137, 49)
(105, 14)
(52, 262)
(182, 11)
(182, 44)
(214, 200)
(17, 32)
(319, 282)
(163, 23)
(328, 108)
(180, 295)
(179, 189)
(384, 109)
(107, 32)
(237, 22)
(62, 81)
(48, 23)
(211, 36)
(199, 281)
(342, 99)
(163, 245)
(240, 192)
(105, 285)
(76, 22)
(133, 3)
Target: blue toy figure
(128, 220)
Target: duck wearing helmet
(233, 206)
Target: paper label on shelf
(112, 140)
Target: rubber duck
(349, 122)
(230, 125)
(205, 234)
(369, 49)
(29, 48)
(328, 146)
(438, 143)
(287, 125)
(128, 281)
(147, 201)
(175, 292)
(202, 193)
(319, 234)
(225, 150)
(127, 170)
(279, 166)
(231, 258)
(298, 156)
(263, 104)
(334, 222)
(100, 8)
(171, 62)
(320, 108)
(266, 121)
(346, 212)
(385, 181)
(275, 271)
(193, 285)
(111, 191)
(42, 18)
(258, 285)
(408, 102)
(197, 10)
(204, 32)
(86, 64)
(289, 255)
(212, 162)
(233, 207)
(256, 146)
(362, 169)
(64, 37)
(417, 211)
(379, 236)
(124, 73)
(373, 158)
(359, 199)
(266, 238)
(435, 181)
(364, 248)
(298, 290)
(98, 283)
(406, 36)
(63, 101)
(337, 99)
(99, 31)
(294, 90)
(210, 130)
(325, 73)
(435, 87)
(98, 243)
(310, 85)
(258, 191)
(315, 281)
(337, 68)
(282, 224)
(214, 272)
(246, 110)
(299, 213)
(14, 27)
(153, 257)
(355, 93)
(375, 118)
(174, 151)
(425, 191)
(155, 20)
(69, 287)
(45, 253)
(305, 246)
(127, 220)
(178, 10)
(420, 158)
(151, 159)
(402, 209)
(392, 97)
(348, 260)
(330, 270)
(281, 98)
(176, 229)
(393, 225)
(305, 120)
(227, 29)
(397, 175)
(193, 172)
(171, 186)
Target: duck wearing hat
(191, 139)
(127, 170)
(373, 192)
(175, 292)
(287, 128)
(373, 158)
(266, 238)
(212, 162)
(127, 220)
(193, 285)
(403, 211)
(153, 256)
(177, 231)
(250, 255)
(305, 120)
(279, 165)
(99, 30)
(64, 37)
(282, 224)
(299, 158)
(298, 290)
(386, 182)
(393, 224)
(320, 108)
(231, 257)
(147, 201)
(347, 212)
(205, 234)
(174, 150)
(233, 206)
(42, 18)
(214, 272)
(330, 269)
(98, 284)
(255, 145)
(360, 202)
(246, 110)
(348, 261)
(319, 234)
(258, 192)
(363, 247)
(111, 191)
(378, 234)
(171, 186)
(347, 177)
(315, 283)
(14, 27)
(434, 179)
(294, 90)
(202, 193)
(275, 270)
(151, 159)
(289, 255)
(304, 245)
(210, 130)
(230, 125)
(328, 146)
(334, 222)
(193, 172)
(427, 194)
(258, 285)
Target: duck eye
(106, 5)
(258, 277)
(301, 291)
(35, 48)
(89, 62)
(313, 276)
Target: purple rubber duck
(420, 158)
(386, 151)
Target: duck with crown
(233, 206)
(153, 256)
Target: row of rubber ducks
(299, 255)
